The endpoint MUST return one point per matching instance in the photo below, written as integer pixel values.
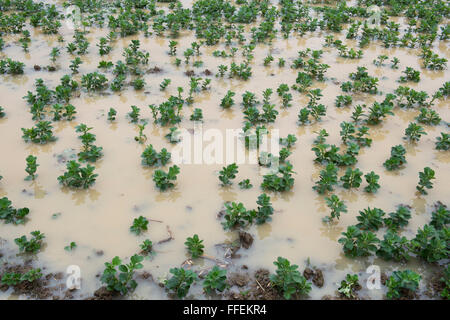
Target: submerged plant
(237, 215)
(372, 179)
(349, 286)
(228, 173)
(357, 243)
(118, 277)
(42, 133)
(397, 158)
(215, 280)
(399, 218)
(414, 132)
(425, 178)
(245, 184)
(30, 246)
(139, 225)
(181, 281)
(328, 178)
(352, 178)
(288, 280)
(77, 176)
(265, 209)
(394, 247)
(336, 206)
(443, 142)
(402, 283)
(12, 215)
(31, 167)
(163, 180)
(431, 244)
(194, 246)
(15, 278)
(370, 219)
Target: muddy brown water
(98, 219)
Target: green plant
(352, 178)
(11, 215)
(425, 178)
(245, 184)
(228, 173)
(237, 215)
(445, 293)
(75, 64)
(77, 176)
(414, 132)
(268, 60)
(71, 246)
(30, 246)
(289, 141)
(428, 116)
(379, 60)
(141, 138)
(10, 66)
(265, 209)
(138, 83)
(89, 152)
(394, 247)
(94, 81)
(42, 133)
(163, 179)
(152, 158)
(357, 243)
(15, 278)
(349, 286)
(431, 244)
(197, 115)
(370, 219)
(399, 218)
(397, 158)
(134, 114)
(275, 182)
(172, 47)
(139, 225)
(410, 75)
(372, 179)
(328, 178)
(228, 101)
(112, 114)
(118, 277)
(103, 47)
(336, 206)
(215, 280)
(402, 284)
(288, 280)
(31, 167)
(174, 135)
(181, 281)
(164, 84)
(194, 246)
(395, 61)
(443, 142)
(440, 217)
(146, 246)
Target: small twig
(169, 238)
(260, 285)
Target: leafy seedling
(194, 246)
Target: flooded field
(98, 219)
